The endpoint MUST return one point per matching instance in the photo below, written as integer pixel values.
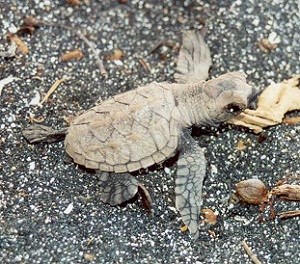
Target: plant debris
(34, 119)
(287, 192)
(184, 228)
(144, 64)
(210, 216)
(117, 54)
(242, 144)
(250, 253)
(72, 55)
(252, 191)
(164, 42)
(273, 103)
(270, 43)
(19, 42)
(29, 25)
(289, 214)
(266, 46)
(53, 88)
(95, 51)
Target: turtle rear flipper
(191, 168)
(40, 133)
(194, 60)
(119, 188)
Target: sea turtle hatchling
(148, 125)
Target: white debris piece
(213, 169)
(274, 38)
(5, 81)
(167, 170)
(69, 208)
(32, 166)
(36, 100)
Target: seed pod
(252, 191)
(72, 55)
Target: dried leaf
(252, 191)
(210, 216)
(19, 42)
(273, 103)
(287, 192)
(72, 55)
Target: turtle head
(227, 96)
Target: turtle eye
(233, 108)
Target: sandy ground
(50, 209)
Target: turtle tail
(39, 133)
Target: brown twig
(144, 64)
(288, 214)
(95, 51)
(53, 88)
(157, 45)
(287, 192)
(250, 253)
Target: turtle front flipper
(119, 188)
(194, 60)
(191, 167)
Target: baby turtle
(150, 124)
